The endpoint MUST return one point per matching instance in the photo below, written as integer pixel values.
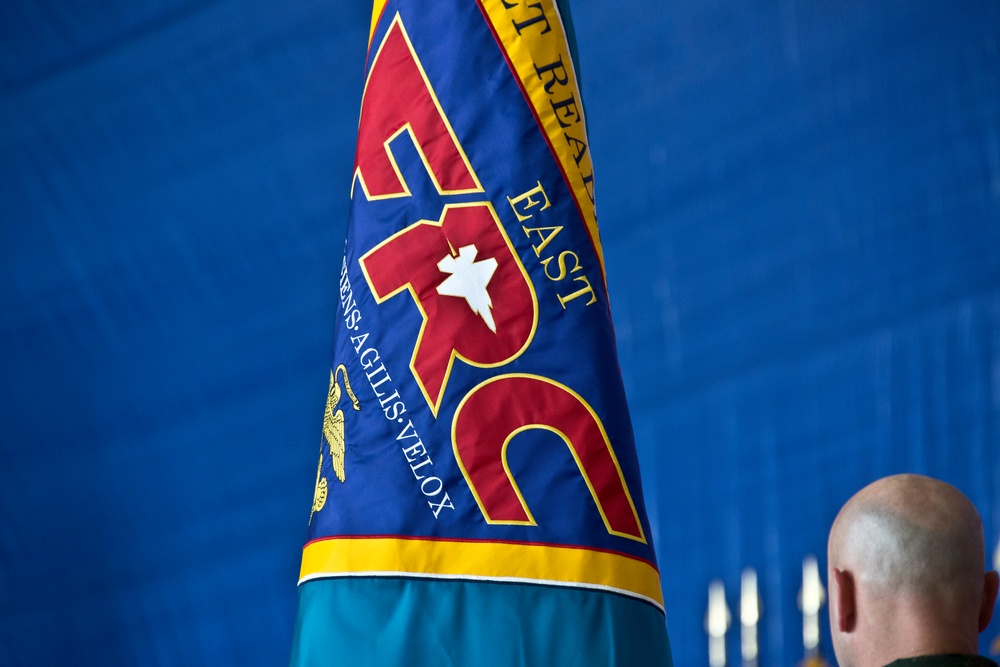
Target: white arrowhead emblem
(468, 280)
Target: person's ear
(846, 610)
(991, 583)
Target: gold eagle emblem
(333, 434)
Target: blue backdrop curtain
(800, 209)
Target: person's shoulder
(952, 660)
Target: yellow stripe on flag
(480, 560)
(377, 7)
(536, 45)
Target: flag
(477, 496)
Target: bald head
(907, 557)
(910, 533)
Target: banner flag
(477, 495)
